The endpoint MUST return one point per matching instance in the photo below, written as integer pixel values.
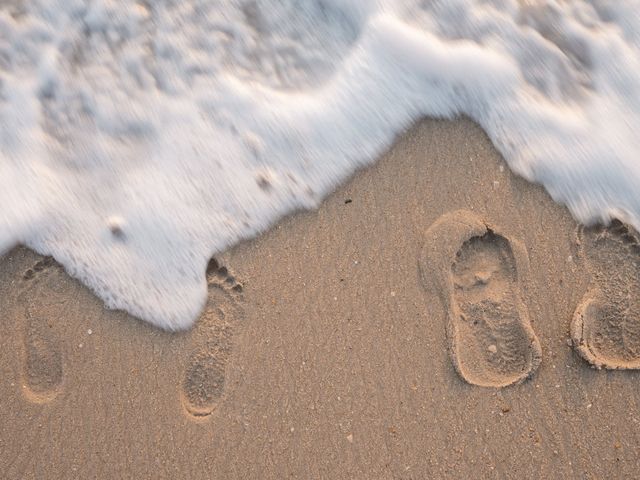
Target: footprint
(477, 274)
(205, 376)
(42, 307)
(605, 329)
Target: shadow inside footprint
(205, 375)
(477, 274)
(42, 365)
(42, 307)
(605, 328)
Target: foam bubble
(138, 139)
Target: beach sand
(348, 342)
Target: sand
(349, 342)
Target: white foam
(138, 139)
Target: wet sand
(435, 318)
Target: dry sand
(348, 342)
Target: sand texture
(437, 317)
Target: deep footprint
(477, 273)
(205, 376)
(42, 365)
(605, 329)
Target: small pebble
(482, 278)
(492, 348)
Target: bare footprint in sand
(205, 376)
(42, 308)
(477, 274)
(605, 329)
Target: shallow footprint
(205, 375)
(42, 307)
(605, 329)
(477, 274)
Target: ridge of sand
(606, 325)
(478, 274)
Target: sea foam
(140, 138)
